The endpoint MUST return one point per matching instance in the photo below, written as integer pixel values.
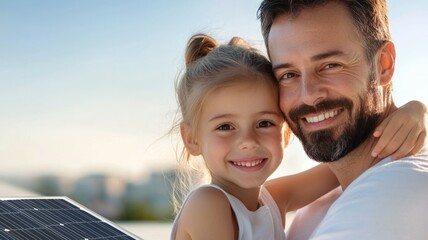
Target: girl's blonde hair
(210, 66)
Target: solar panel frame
(56, 217)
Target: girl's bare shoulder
(207, 212)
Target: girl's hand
(403, 132)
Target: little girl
(228, 99)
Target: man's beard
(329, 145)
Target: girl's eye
(225, 127)
(264, 124)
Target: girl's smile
(250, 165)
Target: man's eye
(225, 127)
(288, 75)
(331, 65)
(264, 124)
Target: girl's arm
(295, 191)
(402, 133)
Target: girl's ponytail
(199, 46)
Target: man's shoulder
(403, 175)
(390, 197)
(414, 166)
(419, 160)
(398, 185)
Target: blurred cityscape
(115, 198)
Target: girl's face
(240, 134)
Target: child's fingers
(412, 144)
(407, 145)
(379, 130)
(387, 139)
(394, 143)
(400, 134)
(420, 142)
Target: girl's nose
(248, 141)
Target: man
(334, 61)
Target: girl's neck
(249, 197)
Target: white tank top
(263, 224)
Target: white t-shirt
(388, 201)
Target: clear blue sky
(88, 85)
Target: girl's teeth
(248, 164)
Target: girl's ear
(386, 63)
(189, 141)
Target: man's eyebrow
(328, 54)
(317, 57)
(279, 66)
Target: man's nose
(312, 90)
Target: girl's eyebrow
(270, 113)
(228, 115)
(225, 115)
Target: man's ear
(386, 63)
(189, 141)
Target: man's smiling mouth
(323, 116)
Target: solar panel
(48, 218)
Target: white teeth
(322, 117)
(248, 164)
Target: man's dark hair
(369, 17)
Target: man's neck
(351, 166)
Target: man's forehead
(311, 33)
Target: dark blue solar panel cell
(62, 216)
(88, 228)
(107, 228)
(42, 234)
(85, 216)
(5, 221)
(85, 231)
(18, 204)
(60, 204)
(51, 218)
(40, 204)
(6, 236)
(118, 238)
(16, 221)
(64, 204)
(67, 232)
(6, 208)
(41, 217)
